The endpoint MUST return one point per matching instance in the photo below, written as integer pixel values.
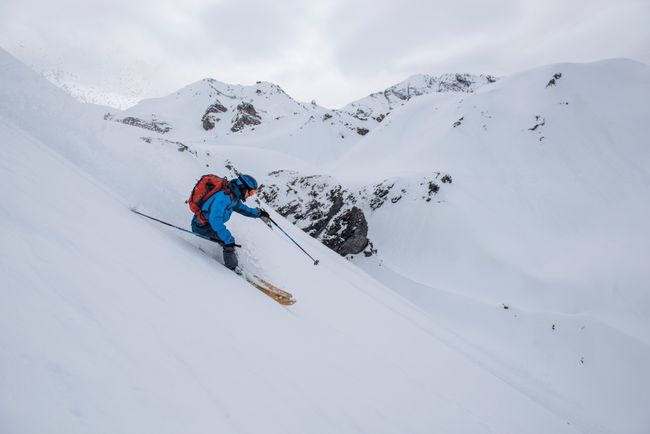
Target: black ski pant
(229, 256)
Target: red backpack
(207, 186)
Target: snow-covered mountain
(511, 297)
(262, 114)
(546, 217)
(378, 105)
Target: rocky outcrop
(246, 116)
(211, 115)
(321, 207)
(337, 216)
(362, 131)
(180, 146)
(153, 125)
(348, 232)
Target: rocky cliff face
(246, 116)
(338, 216)
(212, 115)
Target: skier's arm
(247, 211)
(217, 211)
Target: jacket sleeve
(216, 218)
(247, 211)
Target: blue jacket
(218, 209)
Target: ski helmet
(246, 182)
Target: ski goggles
(251, 192)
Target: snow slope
(535, 248)
(554, 187)
(538, 251)
(110, 323)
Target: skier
(216, 211)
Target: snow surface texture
(111, 323)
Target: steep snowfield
(109, 323)
(564, 202)
(547, 215)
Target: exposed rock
(209, 118)
(553, 80)
(208, 124)
(154, 125)
(348, 233)
(320, 220)
(380, 195)
(246, 116)
(321, 207)
(362, 131)
(369, 250)
(247, 108)
(540, 123)
(362, 113)
(336, 216)
(217, 107)
(433, 189)
(180, 146)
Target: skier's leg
(230, 257)
(203, 230)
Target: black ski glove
(263, 213)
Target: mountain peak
(379, 104)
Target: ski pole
(176, 227)
(294, 241)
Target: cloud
(332, 51)
(253, 30)
(390, 36)
(498, 36)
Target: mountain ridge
(211, 111)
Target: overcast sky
(330, 51)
